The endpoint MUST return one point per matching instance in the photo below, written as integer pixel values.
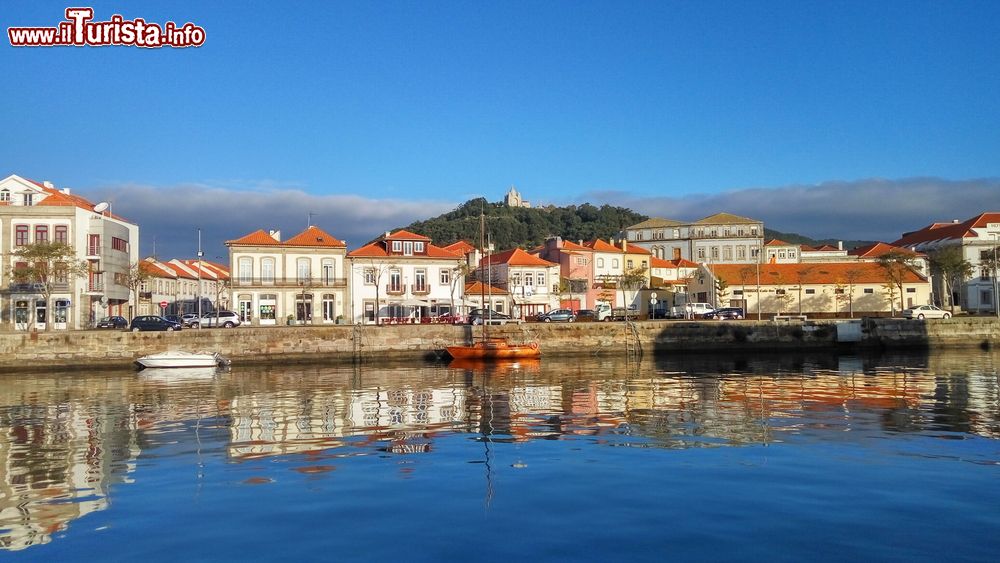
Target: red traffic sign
(163, 304)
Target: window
(328, 271)
(20, 235)
(515, 279)
(869, 290)
(328, 307)
(701, 254)
(93, 245)
(600, 262)
(581, 261)
(418, 247)
(629, 264)
(737, 292)
(791, 254)
(395, 281)
(781, 254)
(677, 233)
(727, 253)
(118, 244)
(303, 270)
(614, 263)
(810, 292)
(445, 277)
(779, 292)
(407, 248)
(911, 290)
(658, 235)
(420, 280)
(61, 234)
(397, 246)
(369, 276)
(529, 280)
(5, 195)
(41, 233)
(741, 253)
(29, 198)
(839, 290)
(540, 277)
(267, 270)
(753, 231)
(754, 252)
(715, 253)
(246, 270)
(638, 235)
(120, 279)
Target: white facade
(402, 277)
(719, 238)
(31, 212)
(299, 281)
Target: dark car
(479, 316)
(112, 322)
(557, 315)
(586, 315)
(725, 313)
(153, 322)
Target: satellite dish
(101, 207)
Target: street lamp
(995, 237)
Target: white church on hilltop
(513, 199)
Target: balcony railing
(289, 282)
(93, 250)
(424, 289)
(394, 289)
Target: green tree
(897, 265)
(134, 279)
(48, 266)
(949, 263)
(721, 292)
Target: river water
(778, 458)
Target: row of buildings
(312, 278)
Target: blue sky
(406, 109)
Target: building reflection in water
(66, 439)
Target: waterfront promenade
(345, 343)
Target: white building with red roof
(175, 285)
(302, 280)
(532, 282)
(32, 212)
(402, 277)
(979, 241)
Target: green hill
(511, 227)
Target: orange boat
(494, 349)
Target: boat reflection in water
(179, 375)
(590, 435)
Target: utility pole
(198, 296)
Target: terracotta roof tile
(405, 235)
(825, 273)
(314, 236)
(948, 231)
(777, 242)
(599, 245)
(460, 247)
(256, 238)
(477, 288)
(515, 257)
(878, 249)
(724, 219)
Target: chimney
(624, 245)
(580, 242)
(387, 234)
(840, 245)
(954, 221)
(49, 185)
(276, 235)
(65, 191)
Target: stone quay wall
(92, 348)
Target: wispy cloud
(873, 209)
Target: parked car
(557, 315)
(926, 312)
(112, 322)
(726, 313)
(478, 316)
(187, 319)
(692, 310)
(153, 322)
(225, 319)
(586, 315)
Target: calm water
(693, 458)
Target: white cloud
(172, 215)
(866, 209)
(873, 209)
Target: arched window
(246, 270)
(267, 270)
(303, 269)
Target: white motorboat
(180, 359)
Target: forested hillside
(512, 227)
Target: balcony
(423, 289)
(93, 250)
(394, 289)
(94, 286)
(290, 282)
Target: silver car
(926, 312)
(225, 319)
